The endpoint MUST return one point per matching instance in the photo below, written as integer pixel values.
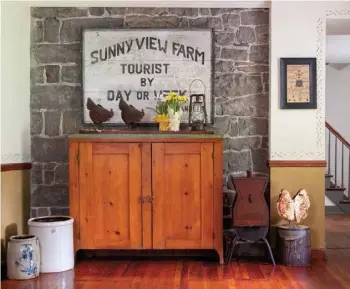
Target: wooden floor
(334, 273)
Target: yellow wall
(312, 180)
(15, 204)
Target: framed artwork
(298, 83)
(141, 66)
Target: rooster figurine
(98, 113)
(129, 114)
(293, 210)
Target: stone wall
(240, 90)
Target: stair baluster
(342, 165)
(335, 162)
(329, 152)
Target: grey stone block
(252, 68)
(49, 177)
(262, 34)
(42, 212)
(37, 31)
(265, 142)
(56, 96)
(36, 123)
(219, 11)
(234, 54)
(204, 11)
(237, 161)
(57, 53)
(259, 53)
(192, 12)
(231, 21)
(33, 213)
(260, 158)
(254, 105)
(96, 11)
(266, 87)
(49, 149)
(245, 35)
(266, 77)
(233, 85)
(36, 173)
(242, 143)
(52, 73)
(51, 30)
(222, 124)
(217, 52)
(254, 17)
(59, 211)
(71, 29)
(72, 121)
(116, 10)
(45, 195)
(253, 126)
(224, 66)
(206, 22)
(144, 21)
(61, 174)
(37, 75)
(60, 12)
(71, 74)
(234, 129)
(52, 123)
(224, 38)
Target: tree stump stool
(293, 245)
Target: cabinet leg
(221, 256)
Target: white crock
(23, 257)
(55, 234)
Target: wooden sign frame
(165, 35)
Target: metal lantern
(197, 112)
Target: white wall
(15, 89)
(338, 99)
(298, 30)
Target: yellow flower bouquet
(169, 111)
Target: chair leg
(270, 251)
(232, 247)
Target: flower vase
(174, 119)
(23, 257)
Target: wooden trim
(83, 139)
(15, 167)
(337, 134)
(318, 254)
(303, 163)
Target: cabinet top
(146, 137)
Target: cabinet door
(182, 184)
(110, 188)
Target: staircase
(337, 176)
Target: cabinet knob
(188, 227)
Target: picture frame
(177, 80)
(298, 87)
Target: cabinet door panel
(182, 195)
(111, 187)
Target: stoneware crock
(23, 257)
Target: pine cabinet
(146, 191)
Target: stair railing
(342, 154)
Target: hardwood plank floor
(334, 273)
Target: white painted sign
(143, 65)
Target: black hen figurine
(98, 113)
(130, 115)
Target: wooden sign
(143, 65)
